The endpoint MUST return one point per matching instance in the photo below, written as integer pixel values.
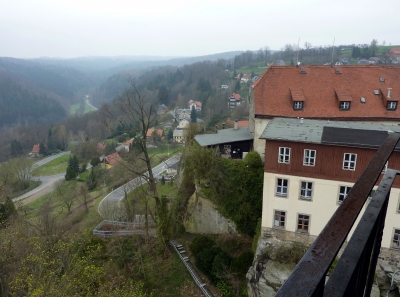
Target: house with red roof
(35, 151)
(196, 104)
(111, 160)
(151, 131)
(234, 100)
(342, 93)
(317, 128)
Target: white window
(343, 191)
(309, 157)
(344, 105)
(281, 187)
(279, 218)
(396, 238)
(298, 105)
(303, 223)
(391, 105)
(284, 155)
(349, 161)
(306, 190)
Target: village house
(183, 124)
(151, 132)
(245, 78)
(35, 151)
(110, 160)
(196, 104)
(162, 109)
(234, 100)
(178, 136)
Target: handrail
(192, 273)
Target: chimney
(389, 89)
(216, 129)
(223, 125)
(236, 126)
(301, 120)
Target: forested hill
(34, 93)
(20, 104)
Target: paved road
(88, 103)
(48, 159)
(109, 207)
(47, 181)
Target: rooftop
(358, 134)
(224, 136)
(322, 87)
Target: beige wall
(321, 207)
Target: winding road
(109, 208)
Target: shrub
(242, 263)
(201, 243)
(205, 260)
(285, 253)
(225, 289)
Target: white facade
(320, 208)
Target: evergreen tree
(75, 164)
(16, 149)
(92, 180)
(163, 95)
(170, 134)
(237, 87)
(73, 168)
(193, 115)
(234, 73)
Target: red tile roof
(236, 96)
(151, 131)
(113, 159)
(36, 149)
(395, 52)
(198, 103)
(242, 124)
(323, 88)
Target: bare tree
(66, 198)
(138, 109)
(307, 45)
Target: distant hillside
(32, 92)
(25, 105)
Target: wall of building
(320, 208)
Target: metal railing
(121, 228)
(354, 273)
(192, 273)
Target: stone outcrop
(203, 218)
(265, 276)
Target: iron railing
(353, 275)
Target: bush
(225, 289)
(205, 261)
(201, 243)
(242, 263)
(285, 253)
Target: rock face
(393, 275)
(203, 218)
(265, 277)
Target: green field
(56, 166)
(74, 108)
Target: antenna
(333, 46)
(298, 51)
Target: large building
(310, 167)
(340, 93)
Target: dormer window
(298, 105)
(391, 105)
(344, 105)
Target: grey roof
(224, 136)
(178, 133)
(324, 131)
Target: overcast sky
(72, 28)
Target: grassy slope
(55, 166)
(74, 108)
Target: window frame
(344, 194)
(281, 214)
(282, 156)
(308, 220)
(344, 105)
(280, 194)
(309, 158)
(298, 105)
(391, 105)
(306, 189)
(396, 233)
(349, 167)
